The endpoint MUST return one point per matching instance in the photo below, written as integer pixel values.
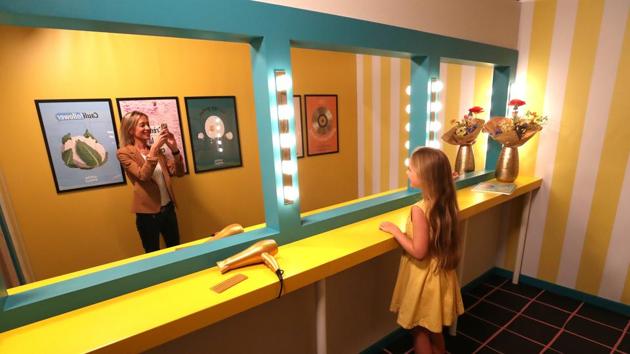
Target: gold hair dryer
(260, 252)
(229, 230)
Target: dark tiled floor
(505, 318)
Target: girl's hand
(455, 174)
(389, 227)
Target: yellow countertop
(146, 318)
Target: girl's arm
(419, 245)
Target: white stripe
(467, 93)
(360, 128)
(599, 98)
(394, 123)
(617, 260)
(376, 124)
(442, 96)
(524, 38)
(559, 59)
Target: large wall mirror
(354, 125)
(57, 233)
(464, 86)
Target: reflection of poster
(213, 126)
(297, 108)
(322, 132)
(81, 142)
(160, 110)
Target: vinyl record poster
(213, 126)
(321, 123)
(81, 142)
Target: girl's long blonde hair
(127, 125)
(434, 172)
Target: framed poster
(213, 129)
(81, 143)
(297, 116)
(159, 110)
(322, 129)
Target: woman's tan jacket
(146, 193)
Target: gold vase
(465, 160)
(507, 165)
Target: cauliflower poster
(81, 142)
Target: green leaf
(87, 134)
(66, 138)
(90, 156)
(67, 158)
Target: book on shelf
(495, 187)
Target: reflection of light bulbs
(220, 149)
(407, 127)
(435, 126)
(283, 82)
(287, 140)
(289, 167)
(437, 86)
(407, 144)
(291, 193)
(434, 144)
(436, 106)
(408, 90)
(407, 162)
(284, 112)
(408, 108)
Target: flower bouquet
(464, 133)
(512, 133)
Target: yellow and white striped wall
(574, 65)
(381, 116)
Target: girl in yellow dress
(427, 295)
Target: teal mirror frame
(271, 31)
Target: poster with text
(213, 126)
(159, 110)
(322, 132)
(299, 139)
(81, 143)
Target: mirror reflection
(354, 125)
(465, 99)
(190, 159)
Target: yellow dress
(423, 297)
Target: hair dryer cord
(279, 273)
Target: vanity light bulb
(407, 144)
(407, 127)
(434, 144)
(289, 167)
(435, 126)
(283, 82)
(284, 112)
(291, 193)
(408, 109)
(287, 140)
(408, 90)
(407, 162)
(437, 86)
(436, 106)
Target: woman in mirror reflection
(427, 294)
(150, 172)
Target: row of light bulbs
(435, 106)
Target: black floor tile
(492, 313)
(469, 300)
(625, 344)
(521, 289)
(505, 299)
(569, 343)
(604, 316)
(401, 345)
(565, 303)
(507, 342)
(480, 290)
(594, 331)
(494, 280)
(535, 330)
(460, 344)
(475, 328)
(546, 314)
(488, 350)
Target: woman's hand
(170, 139)
(160, 140)
(389, 227)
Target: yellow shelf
(146, 318)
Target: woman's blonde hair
(127, 126)
(434, 172)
